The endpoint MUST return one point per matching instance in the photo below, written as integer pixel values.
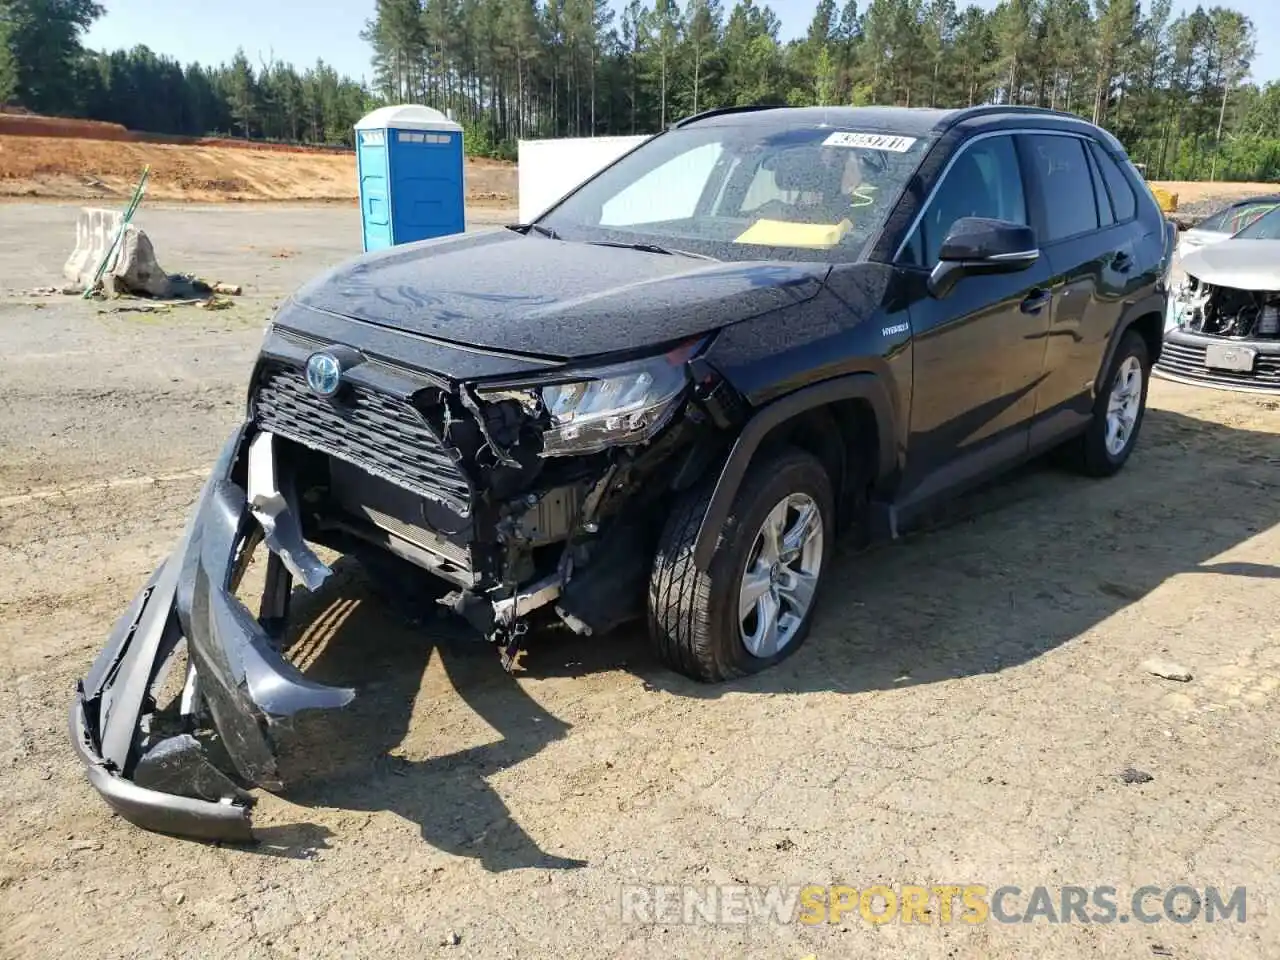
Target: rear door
(1090, 246)
(977, 352)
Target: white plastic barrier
(548, 169)
(95, 229)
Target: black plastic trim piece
(726, 111)
(1155, 303)
(150, 809)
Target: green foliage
(8, 64)
(824, 80)
(44, 40)
(43, 66)
(240, 89)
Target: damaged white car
(1226, 223)
(1223, 322)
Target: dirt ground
(961, 714)
(67, 168)
(1195, 191)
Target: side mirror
(978, 245)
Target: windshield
(1235, 217)
(746, 191)
(1266, 227)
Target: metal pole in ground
(115, 241)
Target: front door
(978, 351)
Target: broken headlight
(606, 407)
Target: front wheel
(754, 605)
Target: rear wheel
(754, 605)
(1117, 413)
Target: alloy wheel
(1124, 405)
(781, 575)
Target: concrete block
(135, 267)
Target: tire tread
(681, 608)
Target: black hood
(550, 298)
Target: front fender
(865, 386)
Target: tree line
(1175, 89)
(45, 68)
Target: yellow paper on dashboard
(784, 233)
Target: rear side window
(984, 180)
(1123, 202)
(1064, 175)
(1105, 215)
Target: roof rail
(989, 109)
(723, 111)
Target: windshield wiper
(527, 228)
(651, 248)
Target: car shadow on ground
(1011, 571)
(997, 579)
(352, 634)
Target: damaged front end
(171, 773)
(538, 497)
(1223, 335)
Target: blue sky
(299, 31)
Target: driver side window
(983, 181)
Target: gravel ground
(963, 713)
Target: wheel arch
(1146, 317)
(835, 420)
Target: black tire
(693, 620)
(1088, 453)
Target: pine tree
(241, 91)
(8, 65)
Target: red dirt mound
(92, 168)
(33, 125)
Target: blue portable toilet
(409, 161)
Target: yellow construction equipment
(1168, 201)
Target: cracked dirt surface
(960, 715)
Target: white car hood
(1193, 240)
(1240, 264)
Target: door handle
(1121, 261)
(1035, 301)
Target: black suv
(662, 399)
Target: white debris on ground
(1166, 670)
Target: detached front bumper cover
(169, 783)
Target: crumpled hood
(550, 298)
(1240, 264)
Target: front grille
(1187, 360)
(380, 434)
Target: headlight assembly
(605, 407)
